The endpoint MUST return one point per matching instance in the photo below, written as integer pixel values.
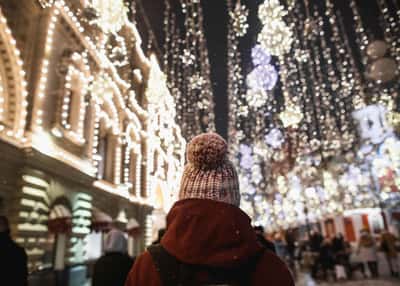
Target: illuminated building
(87, 128)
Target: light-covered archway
(13, 92)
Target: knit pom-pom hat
(208, 173)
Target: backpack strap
(167, 265)
(173, 273)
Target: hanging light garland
(187, 67)
(239, 19)
(112, 15)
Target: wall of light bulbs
(96, 97)
(13, 88)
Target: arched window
(75, 74)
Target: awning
(100, 221)
(60, 219)
(133, 227)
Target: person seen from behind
(113, 267)
(368, 252)
(13, 259)
(208, 240)
(389, 246)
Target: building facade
(87, 128)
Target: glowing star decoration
(260, 56)
(196, 81)
(243, 110)
(262, 77)
(276, 37)
(187, 58)
(302, 56)
(275, 138)
(256, 98)
(239, 19)
(112, 15)
(291, 116)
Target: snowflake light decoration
(112, 14)
(256, 97)
(187, 58)
(260, 56)
(262, 77)
(246, 162)
(274, 138)
(196, 81)
(276, 37)
(271, 10)
(291, 116)
(239, 19)
(243, 110)
(245, 150)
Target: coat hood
(206, 232)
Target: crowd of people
(335, 258)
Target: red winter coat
(205, 232)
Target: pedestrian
(326, 258)
(341, 253)
(113, 267)
(259, 230)
(209, 240)
(316, 240)
(290, 243)
(280, 246)
(13, 259)
(367, 252)
(388, 246)
(160, 235)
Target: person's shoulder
(273, 270)
(144, 258)
(142, 272)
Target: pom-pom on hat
(208, 173)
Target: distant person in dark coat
(113, 267)
(316, 240)
(13, 259)
(161, 233)
(261, 239)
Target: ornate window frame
(76, 77)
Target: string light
(239, 19)
(15, 93)
(187, 67)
